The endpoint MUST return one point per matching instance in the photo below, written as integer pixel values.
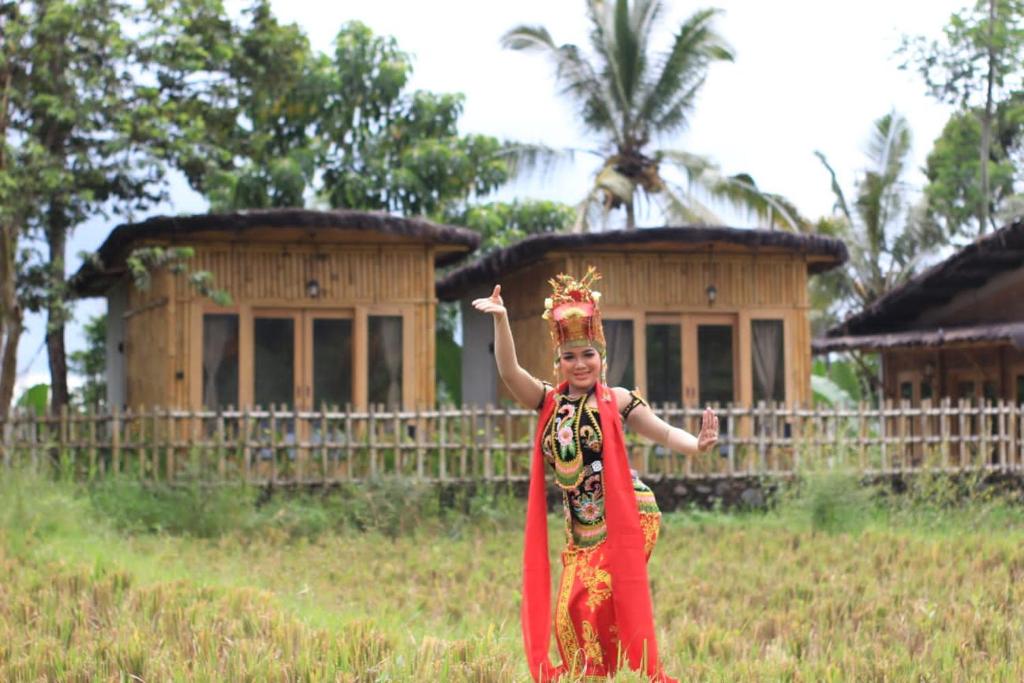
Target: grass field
(832, 586)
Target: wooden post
(885, 409)
(171, 438)
(62, 436)
(962, 436)
(372, 440)
(983, 433)
(348, 441)
(469, 443)
(944, 431)
(221, 465)
(862, 435)
(273, 445)
(91, 417)
(115, 439)
(927, 448)
(324, 439)
(420, 449)
(508, 444)
(245, 435)
(442, 444)
(399, 444)
(488, 437)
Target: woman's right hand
(492, 304)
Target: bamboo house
(692, 315)
(954, 331)
(329, 308)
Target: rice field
(805, 593)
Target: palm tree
(629, 97)
(885, 236)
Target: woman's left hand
(708, 436)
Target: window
(274, 362)
(385, 359)
(332, 362)
(1020, 388)
(618, 335)
(220, 360)
(664, 363)
(907, 391)
(926, 390)
(715, 364)
(769, 360)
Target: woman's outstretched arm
(644, 422)
(526, 388)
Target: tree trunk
(986, 123)
(9, 361)
(56, 237)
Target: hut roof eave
(970, 268)
(924, 338)
(825, 252)
(93, 280)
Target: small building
(329, 308)
(954, 331)
(692, 315)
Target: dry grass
(738, 598)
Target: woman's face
(581, 367)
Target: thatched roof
(832, 252)
(936, 337)
(969, 268)
(91, 281)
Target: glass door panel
(220, 360)
(274, 356)
(385, 351)
(332, 362)
(664, 363)
(715, 364)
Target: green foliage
(449, 369)
(339, 128)
(91, 362)
(501, 224)
(977, 67)
(837, 382)
(35, 398)
(953, 191)
(190, 507)
(142, 261)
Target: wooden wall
(164, 339)
(638, 283)
(998, 364)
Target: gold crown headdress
(572, 312)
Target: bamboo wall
(638, 283)
(163, 333)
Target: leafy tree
(953, 169)
(629, 97)
(77, 119)
(976, 66)
(91, 363)
(501, 224)
(886, 237)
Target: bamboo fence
(491, 444)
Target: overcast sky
(809, 75)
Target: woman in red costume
(603, 614)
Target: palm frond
(692, 165)
(741, 192)
(526, 158)
(684, 67)
(573, 72)
(681, 206)
(837, 190)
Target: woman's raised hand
(708, 436)
(491, 304)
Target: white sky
(809, 75)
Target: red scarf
(625, 543)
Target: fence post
(115, 439)
(508, 444)
(419, 442)
(396, 425)
(488, 437)
(1001, 410)
(348, 441)
(944, 431)
(90, 418)
(244, 434)
(442, 444)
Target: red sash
(631, 595)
